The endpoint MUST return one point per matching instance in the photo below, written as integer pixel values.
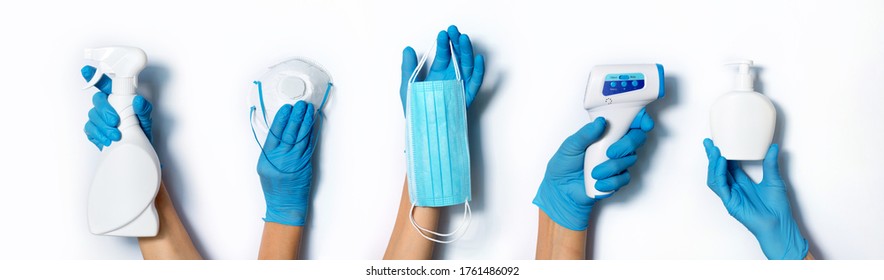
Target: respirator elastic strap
(261, 101)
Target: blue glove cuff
(286, 205)
(796, 247)
(794, 250)
(802, 251)
(562, 209)
(784, 244)
(288, 219)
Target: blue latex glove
(101, 129)
(763, 208)
(562, 194)
(285, 165)
(472, 69)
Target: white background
(821, 64)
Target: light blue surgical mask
(437, 149)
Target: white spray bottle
(121, 198)
(743, 120)
(618, 93)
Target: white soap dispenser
(743, 120)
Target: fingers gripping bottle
(121, 198)
(618, 93)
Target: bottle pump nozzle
(122, 64)
(744, 77)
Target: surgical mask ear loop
(468, 213)
(423, 60)
(462, 228)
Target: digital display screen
(622, 82)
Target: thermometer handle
(618, 121)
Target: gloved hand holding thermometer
(593, 163)
(619, 94)
(562, 194)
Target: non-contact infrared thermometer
(617, 93)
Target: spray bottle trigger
(94, 79)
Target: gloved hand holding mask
(437, 148)
(449, 44)
(285, 165)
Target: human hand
(763, 207)
(101, 129)
(472, 68)
(285, 165)
(562, 193)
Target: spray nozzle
(122, 64)
(744, 76)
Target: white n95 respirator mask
(287, 83)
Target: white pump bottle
(743, 121)
(121, 198)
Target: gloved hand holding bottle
(172, 241)
(285, 165)
(101, 129)
(762, 207)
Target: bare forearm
(555, 242)
(280, 242)
(405, 242)
(172, 241)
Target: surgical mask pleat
(422, 143)
(433, 135)
(443, 133)
(432, 143)
(458, 135)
